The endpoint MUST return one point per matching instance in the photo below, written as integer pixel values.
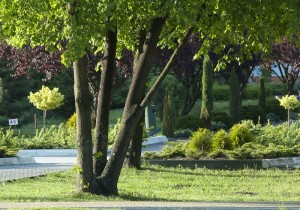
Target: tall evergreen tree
(234, 97)
(168, 115)
(207, 96)
(262, 100)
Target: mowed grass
(155, 183)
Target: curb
(290, 162)
(17, 161)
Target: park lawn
(156, 183)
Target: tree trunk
(107, 183)
(133, 156)
(132, 111)
(83, 126)
(104, 100)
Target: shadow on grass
(231, 173)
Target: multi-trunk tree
(84, 26)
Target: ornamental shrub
(221, 140)
(223, 117)
(72, 121)
(273, 106)
(188, 122)
(7, 152)
(201, 140)
(240, 134)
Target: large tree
(84, 26)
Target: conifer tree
(262, 100)
(234, 97)
(207, 97)
(169, 114)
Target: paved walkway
(153, 205)
(13, 172)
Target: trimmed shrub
(7, 152)
(220, 92)
(249, 112)
(273, 106)
(201, 140)
(240, 134)
(221, 140)
(223, 117)
(207, 96)
(188, 122)
(183, 133)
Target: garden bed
(290, 162)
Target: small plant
(240, 134)
(221, 140)
(46, 99)
(7, 152)
(289, 102)
(201, 140)
(72, 121)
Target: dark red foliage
(26, 59)
(286, 57)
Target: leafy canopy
(46, 99)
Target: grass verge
(155, 183)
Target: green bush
(201, 140)
(188, 122)
(221, 140)
(252, 92)
(183, 133)
(63, 137)
(113, 132)
(249, 112)
(7, 152)
(240, 134)
(273, 106)
(223, 117)
(9, 138)
(220, 92)
(272, 118)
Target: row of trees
(141, 26)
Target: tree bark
(104, 100)
(133, 156)
(132, 111)
(83, 126)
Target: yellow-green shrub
(240, 134)
(201, 140)
(221, 140)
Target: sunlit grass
(155, 183)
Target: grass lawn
(155, 183)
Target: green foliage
(46, 99)
(61, 137)
(262, 101)
(250, 112)
(234, 97)
(272, 118)
(201, 140)
(240, 134)
(120, 94)
(221, 140)
(289, 102)
(169, 114)
(222, 117)
(7, 152)
(72, 121)
(173, 86)
(207, 96)
(183, 133)
(113, 132)
(9, 138)
(188, 122)
(171, 150)
(273, 106)
(220, 92)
